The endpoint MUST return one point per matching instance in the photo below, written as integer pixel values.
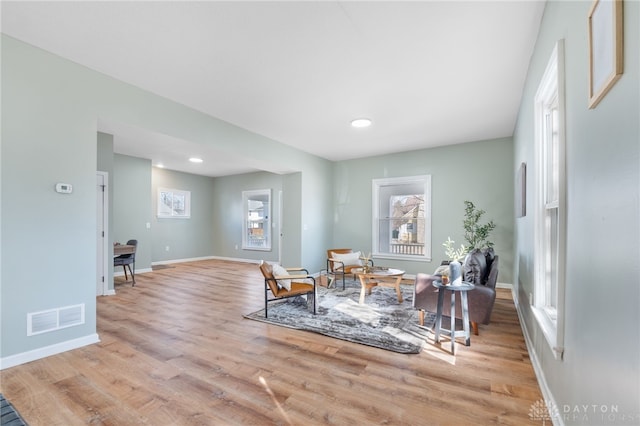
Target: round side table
(462, 288)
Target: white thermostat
(64, 188)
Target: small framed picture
(174, 203)
(605, 48)
(521, 191)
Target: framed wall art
(605, 48)
(521, 191)
(174, 203)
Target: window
(257, 220)
(402, 218)
(550, 226)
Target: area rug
(380, 322)
(8, 415)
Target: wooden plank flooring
(175, 350)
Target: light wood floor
(175, 350)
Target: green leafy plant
(452, 253)
(476, 235)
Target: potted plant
(476, 235)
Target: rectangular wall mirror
(257, 219)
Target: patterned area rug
(381, 322)
(8, 415)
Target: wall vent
(54, 319)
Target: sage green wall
(481, 172)
(292, 222)
(46, 138)
(601, 364)
(131, 203)
(51, 110)
(305, 213)
(228, 214)
(316, 188)
(186, 238)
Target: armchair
(479, 268)
(341, 262)
(281, 284)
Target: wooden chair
(342, 265)
(298, 287)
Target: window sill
(549, 330)
(400, 257)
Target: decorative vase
(455, 273)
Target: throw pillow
(442, 270)
(279, 271)
(349, 259)
(489, 254)
(475, 267)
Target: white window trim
(552, 83)
(375, 185)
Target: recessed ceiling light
(195, 160)
(361, 122)
(160, 166)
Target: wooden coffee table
(379, 277)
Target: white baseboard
(24, 357)
(138, 271)
(535, 363)
(237, 259)
(195, 259)
(192, 259)
(505, 285)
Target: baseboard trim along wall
(138, 271)
(192, 259)
(24, 357)
(549, 400)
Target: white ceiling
(427, 73)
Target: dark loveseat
(480, 268)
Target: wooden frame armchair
(342, 265)
(298, 287)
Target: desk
(379, 277)
(125, 249)
(120, 249)
(463, 289)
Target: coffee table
(383, 277)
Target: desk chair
(126, 260)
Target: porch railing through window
(407, 248)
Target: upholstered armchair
(480, 268)
(281, 284)
(341, 262)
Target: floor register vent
(54, 319)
